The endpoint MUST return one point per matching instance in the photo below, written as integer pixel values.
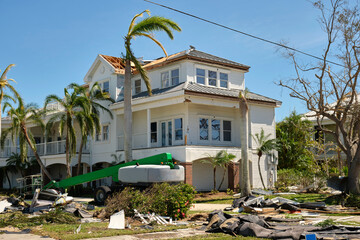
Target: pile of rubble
(274, 228)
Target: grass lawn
(93, 230)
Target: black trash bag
(238, 202)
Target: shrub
(303, 179)
(162, 199)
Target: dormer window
(200, 76)
(223, 80)
(175, 77)
(170, 78)
(212, 77)
(137, 86)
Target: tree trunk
(127, 113)
(67, 151)
(244, 135)
(214, 173)
(35, 153)
(353, 183)
(79, 157)
(222, 180)
(261, 178)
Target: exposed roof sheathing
(191, 54)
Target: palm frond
(142, 73)
(155, 23)
(7, 69)
(132, 23)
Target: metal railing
(139, 141)
(43, 149)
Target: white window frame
(102, 86)
(218, 72)
(137, 80)
(170, 77)
(172, 119)
(210, 140)
(107, 133)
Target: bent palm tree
(74, 106)
(144, 28)
(264, 146)
(90, 123)
(20, 117)
(5, 84)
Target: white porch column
(148, 127)
(45, 145)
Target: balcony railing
(43, 149)
(139, 141)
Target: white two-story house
(192, 113)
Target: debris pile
(252, 204)
(274, 228)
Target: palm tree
(5, 84)
(75, 106)
(144, 28)
(222, 160)
(20, 117)
(264, 146)
(16, 162)
(89, 122)
(244, 131)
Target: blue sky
(54, 43)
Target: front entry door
(166, 133)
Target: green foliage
(352, 200)
(229, 192)
(162, 199)
(294, 136)
(303, 179)
(21, 220)
(326, 223)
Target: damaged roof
(192, 54)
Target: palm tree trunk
(261, 178)
(222, 180)
(214, 178)
(79, 157)
(244, 135)
(127, 113)
(35, 153)
(67, 151)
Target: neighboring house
(193, 112)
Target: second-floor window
(178, 129)
(170, 78)
(137, 86)
(165, 80)
(212, 78)
(105, 133)
(215, 130)
(106, 86)
(153, 132)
